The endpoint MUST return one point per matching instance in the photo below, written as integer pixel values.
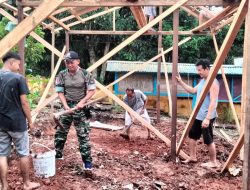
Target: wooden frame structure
(233, 14)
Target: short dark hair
(205, 63)
(130, 89)
(11, 55)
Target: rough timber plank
(246, 100)
(28, 24)
(139, 16)
(227, 87)
(115, 3)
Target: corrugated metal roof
(184, 68)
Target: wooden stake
(174, 84)
(239, 18)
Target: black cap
(71, 55)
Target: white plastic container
(44, 163)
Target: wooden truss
(48, 10)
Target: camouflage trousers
(82, 128)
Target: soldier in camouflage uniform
(75, 86)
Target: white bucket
(44, 163)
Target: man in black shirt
(14, 110)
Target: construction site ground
(120, 164)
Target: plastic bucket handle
(35, 143)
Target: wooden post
(174, 83)
(28, 24)
(227, 43)
(158, 102)
(167, 84)
(114, 16)
(246, 102)
(67, 41)
(53, 44)
(21, 43)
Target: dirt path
(138, 163)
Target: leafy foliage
(34, 51)
(36, 85)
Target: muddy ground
(120, 164)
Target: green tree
(34, 51)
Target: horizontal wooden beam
(115, 3)
(89, 18)
(97, 32)
(82, 10)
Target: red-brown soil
(144, 164)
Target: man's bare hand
(30, 126)
(80, 105)
(178, 77)
(205, 123)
